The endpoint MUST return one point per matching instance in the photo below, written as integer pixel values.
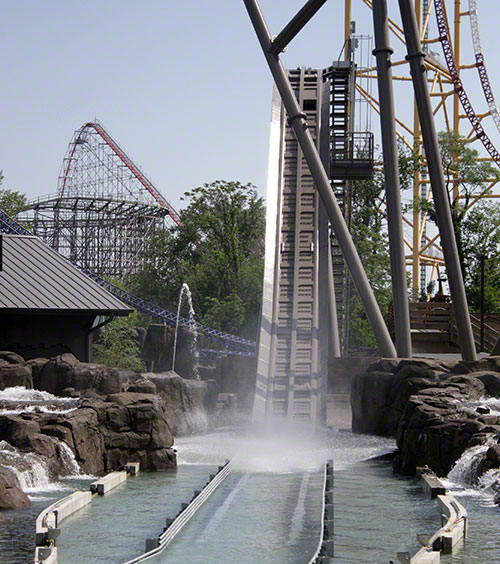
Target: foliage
(481, 238)
(474, 177)
(369, 233)
(11, 202)
(218, 252)
(117, 344)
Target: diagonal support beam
(295, 25)
(298, 123)
(455, 279)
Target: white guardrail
(48, 522)
(453, 526)
(173, 526)
(324, 552)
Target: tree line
(219, 249)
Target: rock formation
(120, 417)
(423, 403)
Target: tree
(370, 236)
(218, 252)
(481, 238)
(11, 202)
(461, 165)
(117, 344)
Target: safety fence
(47, 525)
(324, 552)
(173, 526)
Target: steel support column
(298, 123)
(419, 77)
(383, 54)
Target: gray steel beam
(383, 54)
(455, 279)
(298, 123)
(326, 266)
(295, 25)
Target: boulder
(378, 399)
(57, 373)
(36, 365)
(11, 357)
(143, 386)
(15, 375)
(489, 363)
(97, 377)
(11, 494)
(491, 381)
(183, 400)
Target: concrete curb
(453, 525)
(48, 521)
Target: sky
(181, 85)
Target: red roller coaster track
(127, 161)
(444, 37)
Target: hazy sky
(181, 85)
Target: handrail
(324, 551)
(185, 514)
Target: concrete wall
(341, 372)
(157, 350)
(236, 375)
(46, 335)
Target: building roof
(36, 279)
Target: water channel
(267, 510)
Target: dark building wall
(43, 335)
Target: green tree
(369, 233)
(461, 165)
(118, 346)
(218, 252)
(11, 202)
(481, 238)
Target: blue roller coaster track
(232, 344)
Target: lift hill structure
(292, 351)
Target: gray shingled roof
(35, 277)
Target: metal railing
(185, 515)
(324, 552)
(245, 346)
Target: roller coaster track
(243, 346)
(480, 64)
(444, 37)
(79, 138)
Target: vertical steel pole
(297, 120)
(419, 77)
(383, 54)
(325, 239)
(482, 258)
(347, 28)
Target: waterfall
(465, 470)
(18, 399)
(31, 470)
(71, 466)
(465, 474)
(192, 327)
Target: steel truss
(106, 209)
(447, 88)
